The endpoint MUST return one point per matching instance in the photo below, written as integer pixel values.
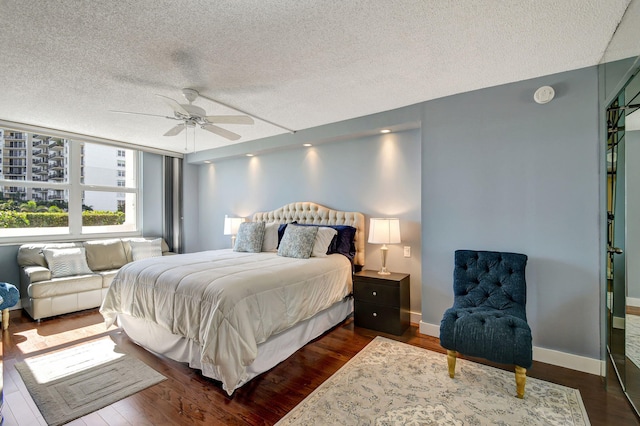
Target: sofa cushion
(105, 254)
(65, 285)
(66, 262)
(107, 277)
(31, 254)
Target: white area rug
(632, 338)
(70, 383)
(393, 383)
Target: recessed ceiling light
(249, 155)
(307, 144)
(385, 131)
(207, 162)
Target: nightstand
(381, 301)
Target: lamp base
(383, 254)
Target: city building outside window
(52, 186)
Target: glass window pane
(107, 166)
(33, 157)
(108, 209)
(22, 207)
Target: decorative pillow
(146, 249)
(324, 238)
(250, 236)
(281, 230)
(270, 241)
(67, 262)
(343, 242)
(298, 241)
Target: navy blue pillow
(281, 229)
(343, 242)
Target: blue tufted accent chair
(488, 317)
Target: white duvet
(228, 302)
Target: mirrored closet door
(623, 235)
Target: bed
(236, 314)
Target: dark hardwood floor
(189, 398)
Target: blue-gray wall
(632, 243)
(491, 170)
(377, 175)
(501, 172)
(152, 194)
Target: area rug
(393, 383)
(73, 382)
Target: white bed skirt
(270, 353)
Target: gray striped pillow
(66, 262)
(146, 249)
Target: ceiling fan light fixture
(192, 115)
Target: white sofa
(45, 293)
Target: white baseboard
(633, 301)
(549, 356)
(415, 317)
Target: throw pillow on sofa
(66, 262)
(146, 249)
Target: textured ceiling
(302, 63)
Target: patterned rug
(632, 338)
(393, 383)
(73, 382)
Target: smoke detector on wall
(544, 94)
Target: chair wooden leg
(5, 319)
(451, 362)
(521, 380)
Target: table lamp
(384, 231)
(231, 225)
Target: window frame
(75, 188)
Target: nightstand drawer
(375, 292)
(378, 317)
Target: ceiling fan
(191, 116)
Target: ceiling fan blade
(142, 113)
(221, 132)
(229, 119)
(174, 105)
(175, 130)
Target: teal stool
(9, 296)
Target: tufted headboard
(312, 213)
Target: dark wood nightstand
(381, 301)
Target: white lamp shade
(231, 225)
(384, 231)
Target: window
(59, 187)
(122, 163)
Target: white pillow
(146, 249)
(270, 240)
(323, 239)
(66, 262)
